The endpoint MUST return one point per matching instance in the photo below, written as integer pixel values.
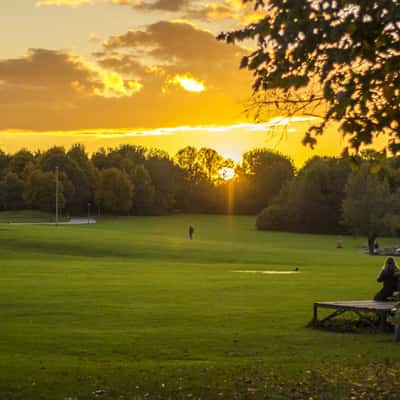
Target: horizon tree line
(327, 195)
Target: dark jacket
(389, 281)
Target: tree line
(133, 180)
(327, 195)
(340, 195)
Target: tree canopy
(341, 57)
(114, 191)
(370, 208)
(312, 201)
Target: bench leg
(382, 321)
(397, 333)
(315, 314)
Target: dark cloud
(158, 5)
(192, 9)
(212, 11)
(203, 10)
(182, 48)
(162, 5)
(43, 68)
(124, 64)
(176, 42)
(165, 5)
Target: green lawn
(132, 307)
(27, 216)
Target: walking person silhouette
(191, 232)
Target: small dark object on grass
(191, 232)
(297, 269)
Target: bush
(272, 218)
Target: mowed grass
(27, 216)
(132, 307)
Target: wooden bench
(388, 251)
(380, 308)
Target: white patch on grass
(269, 272)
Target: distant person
(191, 232)
(389, 276)
(339, 244)
(376, 246)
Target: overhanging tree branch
(348, 48)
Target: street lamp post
(88, 218)
(56, 196)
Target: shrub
(273, 218)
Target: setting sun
(227, 173)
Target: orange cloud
(187, 83)
(166, 5)
(69, 3)
(235, 10)
(57, 74)
(112, 83)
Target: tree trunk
(371, 244)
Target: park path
(72, 221)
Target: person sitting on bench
(389, 276)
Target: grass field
(28, 216)
(133, 308)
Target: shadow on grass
(368, 324)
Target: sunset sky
(148, 72)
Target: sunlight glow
(188, 83)
(105, 83)
(176, 130)
(284, 121)
(115, 86)
(227, 173)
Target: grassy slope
(130, 303)
(27, 216)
